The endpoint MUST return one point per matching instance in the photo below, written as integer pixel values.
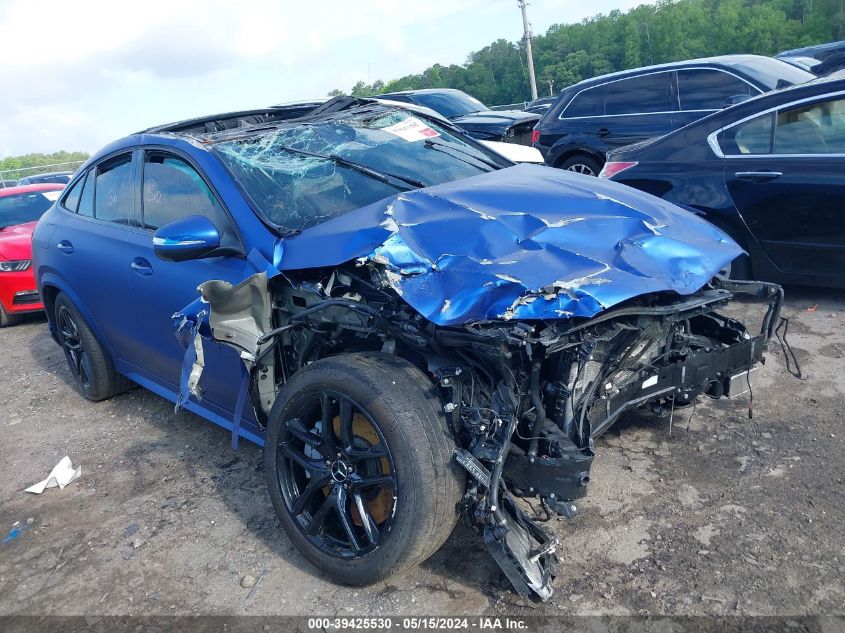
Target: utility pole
(527, 29)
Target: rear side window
(640, 95)
(86, 199)
(589, 102)
(707, 89)
(113, 199)
(71, 199)
(749, 138)
(818, 128)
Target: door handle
(758, 176)
(65, 246)
(603, 131)
(141, 266)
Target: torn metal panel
(241, 313)
(526, 242)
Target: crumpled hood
(16, 241)
(526, 242)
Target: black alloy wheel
(72, 344)
(337, 475)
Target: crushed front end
(542, 305)
(524, 399)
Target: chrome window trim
(656, 72)
(714, 144)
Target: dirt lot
(725, 515)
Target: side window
(818, 128)
(707, 89)
(71, 199)
(86, 200)
(589, 102)
(174, 190)
(648, 93)
(749, 138)
(113, 197)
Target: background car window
(86, 200)
(113, 199)
(25, 207)
(450, 104)
(648, 93)
(71, 199)
(590, 102)
(751, 137)
(706, 89)
(174, 190)
(818, 128)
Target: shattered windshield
(298, 177)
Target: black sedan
(770, 172)
(468, 113)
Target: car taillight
(535, 136)
(614, 167)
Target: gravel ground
(721, 516)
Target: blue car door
(172, 189)
(90, 241)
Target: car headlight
(14, 266)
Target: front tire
(358, 459)
(7, 319)
(90, 365)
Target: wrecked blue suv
(413, 327)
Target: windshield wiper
(442, 147)
(376, 174)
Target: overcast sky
(77, 74)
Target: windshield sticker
(412, 129)
(52, 196)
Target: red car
(20, 209)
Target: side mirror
(735, 99)
(193, 237)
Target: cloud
(79, 74)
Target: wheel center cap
(340, 471)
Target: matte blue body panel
(527, 242)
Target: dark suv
(598, 115)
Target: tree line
(15, 167)
(648, 34)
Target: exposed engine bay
(524, 399)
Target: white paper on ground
(62, 474)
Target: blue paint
(527, 242)
(13, 534)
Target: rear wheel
(358, 460)
(91, 367)
(581, 164)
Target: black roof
(719, 61)
(819, 51)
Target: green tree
(648, 34)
